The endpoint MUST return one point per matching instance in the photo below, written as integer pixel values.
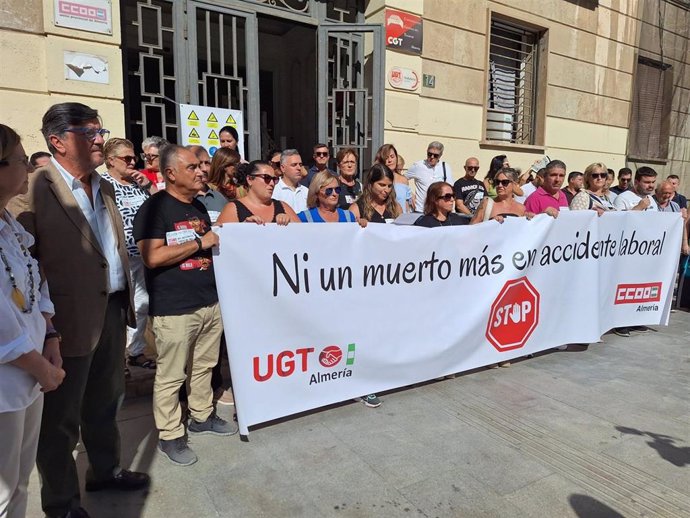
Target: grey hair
(288, 153)
(60, 117)
(154, 141)
(167, 156)
(555, 164)
(435, 145)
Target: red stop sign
(514, 315)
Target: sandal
(141, 361)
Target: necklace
(17, 296)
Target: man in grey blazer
(80, 244)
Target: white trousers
(20, 431)
(136, 336)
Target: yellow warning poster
(202, 125)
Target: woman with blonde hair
(594, 196)
(222, 175)
(322, 201)
(504, 204)
(388, 156)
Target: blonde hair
(592, 168)
(317, 183)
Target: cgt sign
(514, 315)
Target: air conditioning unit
(499, 126)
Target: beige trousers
(190, 341)
(20, 431)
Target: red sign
(638, 293)
(514, 315)
(403, 31)
(330, 356)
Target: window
(651, 110)
(511, 112)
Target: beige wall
(33, 75)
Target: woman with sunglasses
(594, 196)
(257, 206)
(504, 204)
(377, 203)
(322, 201)
(132, 189)
(222, 175)
(30, 361)
(497, 163)
(273, 158)
(388, 156)
(438, 207)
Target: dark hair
(495, 166)
(9, 140)
(573, 175)
(644, 171)
(167, 157)
(318, 146)
(231, 130)
(222, 158)
(376, 173)
(555, 164)
(432, 194)
(383, 153)
(271, 153)
(245, 170)
(624, 170)
(673, 177)
(60, 117)
(38, 154)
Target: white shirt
(424, 176)
(627, 200)
(20, 333)
(527, 189)
(296, 198)
(101, 224)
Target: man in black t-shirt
(468, 190)
(173, 232)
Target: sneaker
(639, 329)
(214, 425)
(622, 331)
(372, 401)
(177, 451)
(224, 397)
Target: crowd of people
(92, 260)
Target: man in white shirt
(426, 172)
(288, 188)
(532, 186)
(640, 196)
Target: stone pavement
(597, 433)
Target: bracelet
(53, 334)
(198, 243)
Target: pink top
(540, 200)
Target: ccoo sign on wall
(403, 31)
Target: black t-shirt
(349, 194)
(430, 221)
(190, 284)
(471, 192)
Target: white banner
(317, 314)
(200, 125)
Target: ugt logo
(285, 363)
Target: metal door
(350, 88)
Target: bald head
(471, 167)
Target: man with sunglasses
(426, 172)
(469, 191)
(624, 181)
(321, 157)
(173, 232)
(72, 214)
(289, 188)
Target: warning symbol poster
(201, 125)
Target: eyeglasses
(599, 175)
(348, 162)
(129, 159)
(446, 197)
(275, 165)
(267, 178)
(433, 155)
(472, 168)
(504, 183)
(321, 153)
(24, 161)
(328, 191)
(90, 133)
(147, 157)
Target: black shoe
(124, 481)
(80, 512)
(622, 331)
(640, 329)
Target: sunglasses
(446, 197)
(504, 183)
(472, 168)
(267, 178)
(328, 191)
(321, 153)
(275, 165)
(90, 133)
(624, 180)
(129, 159)
(147, 157)
(433, 155)
(599, 175)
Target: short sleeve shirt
(471, 192)
(627, 200)
(540, 200)
(128, 199)
(189, 284)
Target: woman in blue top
(322, 200)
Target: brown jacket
(70, 257)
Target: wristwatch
(53, 333)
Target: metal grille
(296, 6)
(513, 56)
(151, 71)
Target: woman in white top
(594, 196)
(30, 361)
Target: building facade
(578, 80)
